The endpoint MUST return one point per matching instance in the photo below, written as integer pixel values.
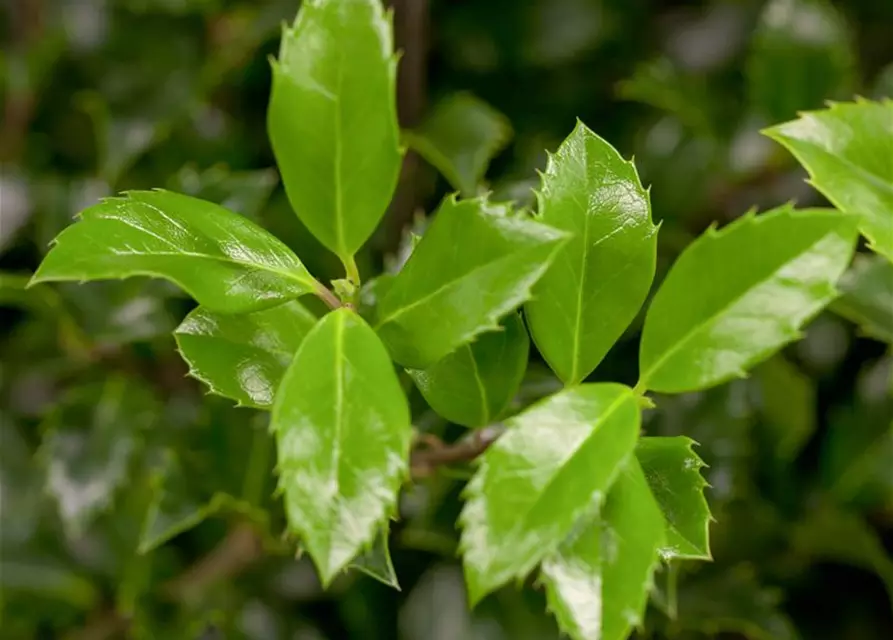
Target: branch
(424, 461)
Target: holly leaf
(673, 471)
(596, 285)
(443, 298)
(787, 398)
(244, 356)
(460, 137)
(343, 432)
(376, 563)
(848, 151)
(221, 259)
(737, 295)
(867, 297)
(332, 119)
(554, 462)
(473, 385)
(598, 582)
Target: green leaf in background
(21, 488)
(867, 297)
(172, 508)
(224, 261)
(460, 137)
(787, 398)
(599, 280)
(376, 563)
(475, 264)
(473, 385)
(737, 295)
(554, 463)
(800, 55)
(245, 192)
(848, 151)
(598, 582)
(343, 432)
(332, 119)
(243, 356)
(673, 471)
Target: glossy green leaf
(555, 462)
(460, 137)
(787, 398)
(343, 431)
(376, 563)
(597, 284)
(224, 261)
(867, 297)
(739, 294)
(332, 119)
(244, 356)
(848, 151)
(673, 471)
(473, 385)
(801, 54)
(598, 582)
(475, 264)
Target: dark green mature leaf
(460, 137)
(555, 462)
(473, 265)
(224, 261)
(473, 385)
(673, 471)
(343, 431)
(737, 295)
(332, 119)
(596, 285)
(800, 55)
(787, 398)
(848, 151)
(598, 582)
(867, 296)
(243, 357)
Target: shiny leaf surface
(244, 356)
(475, 263)
(848, 151)
(332, 119)
(599, 280)
(867, 297)
(597, 584)
(555, 462)
(473, 385)
(343, 431)
(736, 295)
(224, 261)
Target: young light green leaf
(343, 431)
(737, 295)
(473, 385)
(598, 282)
(555, 462)
(224, 261)
(787, 398)
(673, 471)
(848, 151)
(376, 563)
(867, 297)
(460, 137)
(475, 264)
(598, 582)
(332, 119)
(244, 356)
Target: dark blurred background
(108, 450)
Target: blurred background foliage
(132, 504)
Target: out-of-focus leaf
(867, 299)
(244, 192)
(460, 137)
(436, 607)
(244, 356)
(343, 432)
(673, 471)
(739, 294)
(555, 460)
(20, 487)
(800, 55)
(848, 151)
(444, 297)
(376, 561)
(787, 399)
(598, 582)
(332, 119)
(473, 385)
(599, 280)
(46, 577)
(224, 261)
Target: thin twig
(325, 294)
(426, 460)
